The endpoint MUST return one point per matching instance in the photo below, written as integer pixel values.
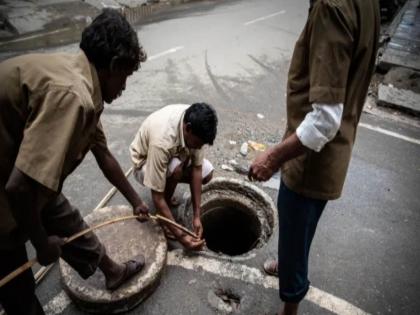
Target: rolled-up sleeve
(320, 125)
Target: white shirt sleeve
(320, 125)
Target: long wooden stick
(31, 262)
(179, 226)
(156, 217)
(18, 271)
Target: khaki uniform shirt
(332, 63)
(159, 139)
(50, 106)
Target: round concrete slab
(123, 241)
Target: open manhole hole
(237, 216)
(231, 230)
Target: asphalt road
(235, 55)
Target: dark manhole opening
(230, 230)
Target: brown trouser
(59, 218)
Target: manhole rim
(267, 221)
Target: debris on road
(240, 169)
(244, 149)
(229, 298)
(257, 146)
(227, 168)
(233, 162)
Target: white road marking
(166, 52)
(223, 269)
(390, 133)
(58, 304)
(255, 276)
(115, 7)
(264, 18)
(332, 303)
(34, 36)
(233, 271)
(272, 183)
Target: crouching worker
(167, 150)
(50, 108)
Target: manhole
(237, 217)
(231, 230)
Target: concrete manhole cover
(123, 241)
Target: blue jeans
(298, 218)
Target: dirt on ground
(235, 129)
(403, 78)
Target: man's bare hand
(50, 251)
(198, 227)
(262, 168)
(191, 243)
(142, 210)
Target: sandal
(271, 267)
(132, 267)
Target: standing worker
(329, 76)
(50, 107)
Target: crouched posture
(167, 150)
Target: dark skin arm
(115, 175)
(270, 161)
(162, 207)
(27, 198)
(195, 187)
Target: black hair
(108, 36)
(203, 121)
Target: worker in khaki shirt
(167, 150)
(50, 107)
(329, 76)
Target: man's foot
(271, 267)
(128, 270)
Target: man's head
(111, 44)
(200, 125)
